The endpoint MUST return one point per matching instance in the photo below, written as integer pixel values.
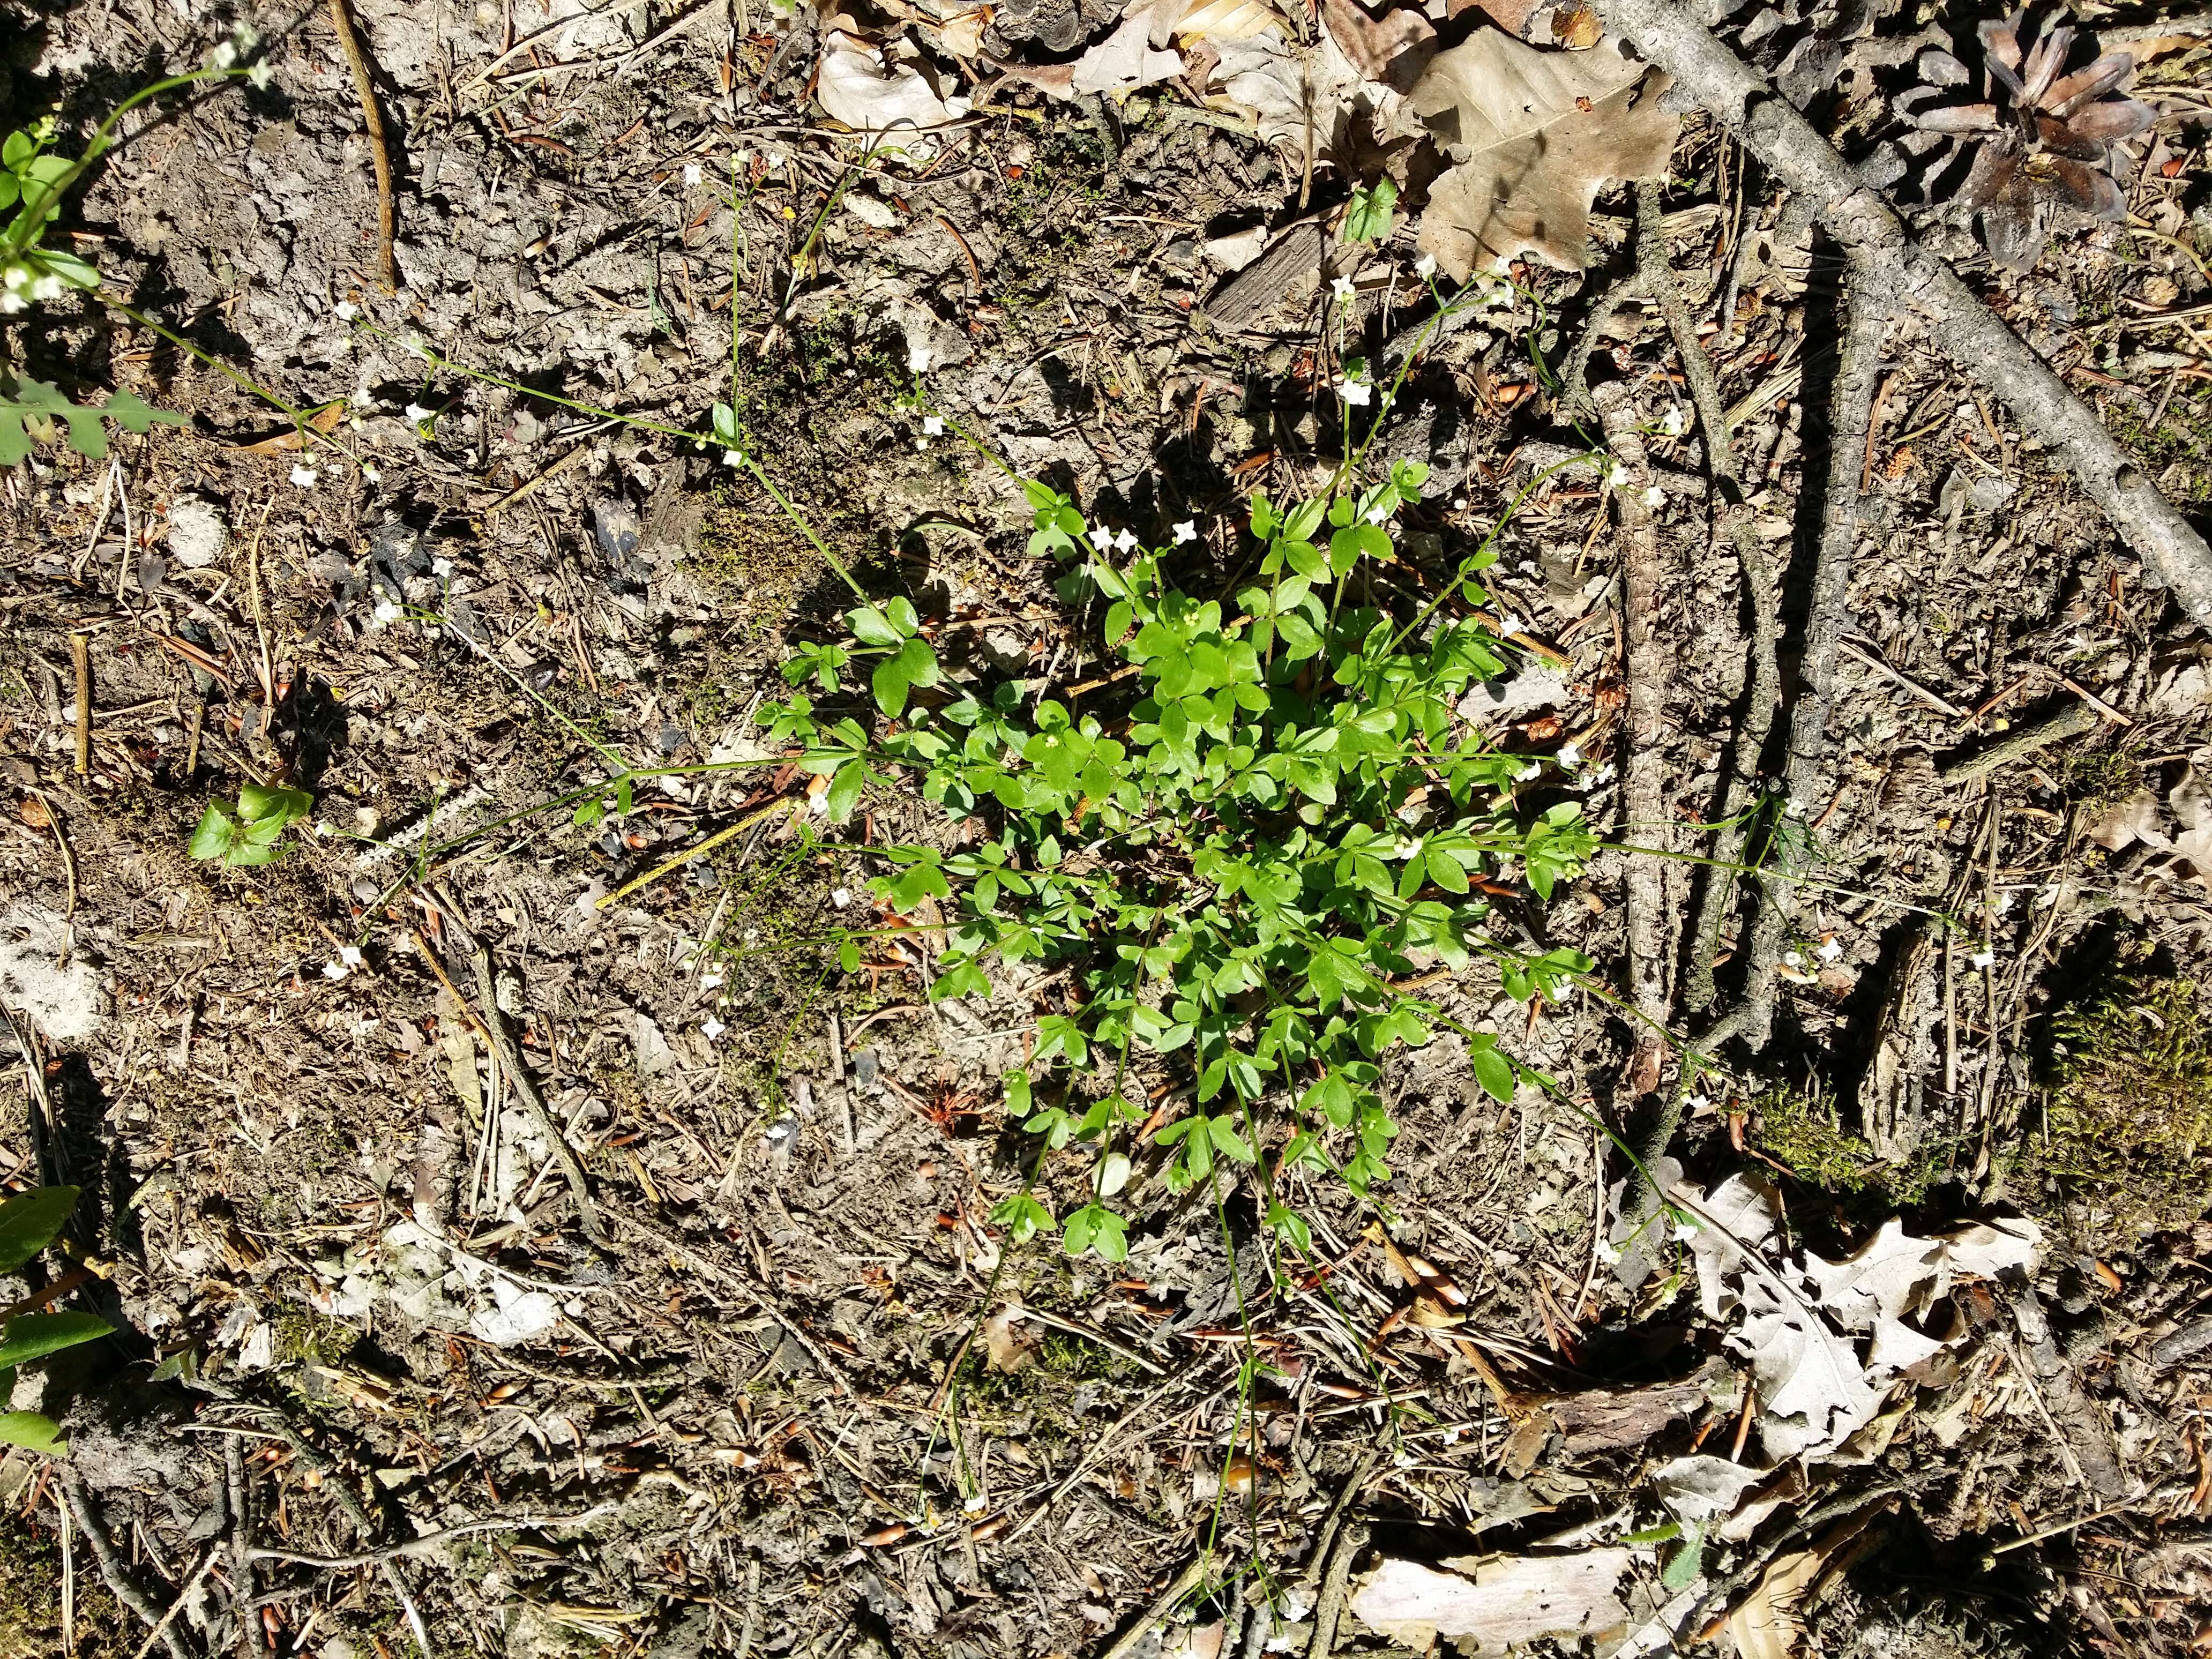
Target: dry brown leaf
(1534, 134)
(1489, 1605)
(284, 443)
(1216, 20)
(1297, 95)
(1770, 1622)
(1393, 49)
(1006, 1348)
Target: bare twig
(526, 1086)
(120, 1579)
(1573, 388)
(81, 660)
(1866, 306)
(1644, 765)
(423, 1543)
(1163, 1604)
(1959, 324)
(379, 143)
(1732, 516)
(2071, 721)
(1330, 1607)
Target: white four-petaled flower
(305, 475)
(710, 1028)
(345, 311)
(917, 358)
(1356, 392)
(1829, 951)
(1570, 756)
(1185, 531)
(1124, 540)
(260, 75)
(416, 414)
(1426, 266)
(692, 173)
(1341, 287)
(1654, 497)
(933, 425)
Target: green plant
(1291, 818)
(28, 1222)
(1368, 220)
(33, 180)
(29, 414)
(252, 836)
(2128, 1119)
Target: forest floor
(1915, 1362)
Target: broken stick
(380, 144)
(1959, 324)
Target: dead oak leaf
(1533, 135)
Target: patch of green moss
(1798, 1132)
(2097, 780)
(30, 1597)
(2127, 1122)
(2178, 449)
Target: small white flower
(416, 415)
(223, 56)
(1982, 958)
(1677, 422)
(261, 75)
(305, 475)
(692, 175)
(732, 457)
(349, 955)
(711, 979)
(1508, 625)
(47, 286)
(710, 1028)
(1698, 1101)
(1829, 951)
(1426, 266)
(1125, 540)
(442, 567)
(1532, 769)
(1379, 513)
(1682, 1231)
(1793, 958)
(1612, 473)
(917, 358)
(370, 472)
(386, 613)
(974, 1505)
(819, 805)
(15, 278)
(1570, 756)
(334, 970)
(345, 311)
(841, 896)
(1654, 497)
(1453, 1434)
(1603, 775)
(1342, 288)
(421, 348)
(1609, 1252)
(1355, 392)
(933, 425)
(1185, 531)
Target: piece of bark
(1959, 324)
(1299, 250)
(1604, 1419)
